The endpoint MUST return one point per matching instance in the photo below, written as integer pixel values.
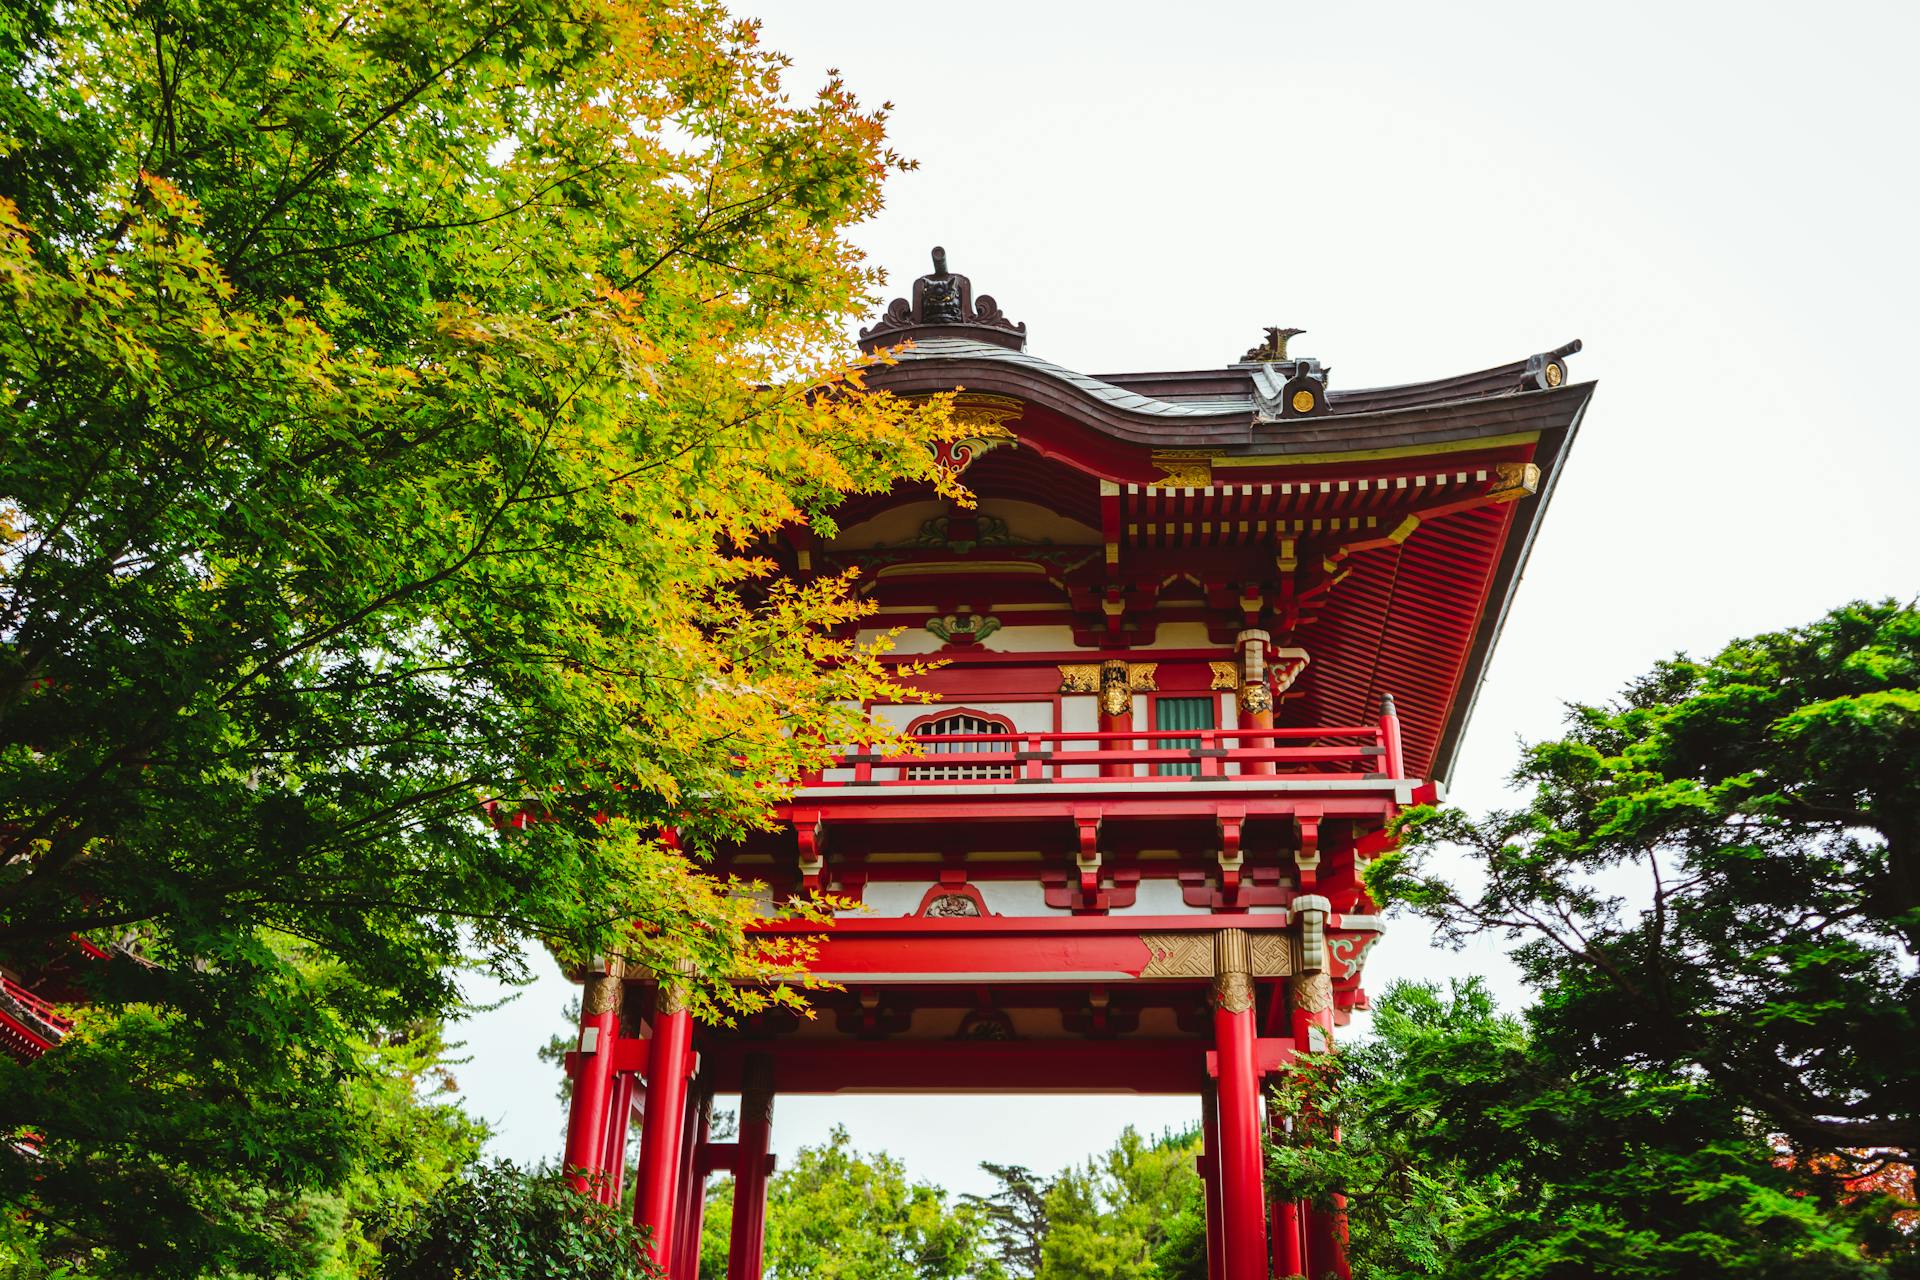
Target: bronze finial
(943, 299)
(1274, 348)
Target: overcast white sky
(1718, 198)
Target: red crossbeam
(963, 1066)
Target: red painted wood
(692, 1190)
(1288, 1260)
(592, 1090)
(824, 1065)
(654, 1189)
(1243, 1200)
(1210, 1174)
(613, 1148)
(746, 1246)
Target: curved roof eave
(940, 364)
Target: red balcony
(1090, 793)
(1154, 758)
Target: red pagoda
(1205, 633)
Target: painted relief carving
(985, 1024)
(1116, 693)
(964, 628)
(1233, 971)
(1272, 955)
(1514, 480)
(1312, 993)
(1079, 677)
(1183, 468)
(1178, 955)
(1349, 952)
(951, 905)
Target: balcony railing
(1160, 756)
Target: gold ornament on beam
(1226, 675)
(1079, 677)
(985, 418)
(1514, 480)
(1182, 469)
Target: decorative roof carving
(943, 305)
(1274, 348)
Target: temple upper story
(1199, 636)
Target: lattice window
(960, 724)
(1181, 713)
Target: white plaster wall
(911, 640)
(1156, 898)
(1015, 898)
(1025, 717)
(1227, 717)
(1079, 712)
(896, 897)
(1045, 639)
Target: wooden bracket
(811, 834)
(1270, 1054)
(1086, 824)
(1306, 820)
(1230, 818)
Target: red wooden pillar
(1310, 991)
(1256, 697)
(1392, 762)
(593, 1077)
(1289, 1258)
(1243, 1200)
(693, 1188)
(613, 1151)
(656, 1188)
(1210, 1176)
(1116, 713)
(746, 1249)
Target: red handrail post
(1390, 737)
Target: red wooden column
(1289, 1256)
(593, 1079)
(1243, 1199)
(1210, 1175)
(1116, 713)
(1256, 698)
(693, 1187)
(1310, 992)
(746, 1250)
(656, 1188)
(1392, 761)
(613, 1151)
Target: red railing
(1119, 756)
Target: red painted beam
(997, 948)
(1371, 800)
(968, 1066)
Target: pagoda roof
(1407, 492)
(1465, 408)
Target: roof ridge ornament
(1274, 349)
(943, 305)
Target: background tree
(1135, 1212)
(838, 1214)
(398, 398)
(1719, 874)
(499, 1223)
(1015, 1217)
(1469, 1149)
(1711, 887)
